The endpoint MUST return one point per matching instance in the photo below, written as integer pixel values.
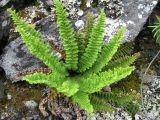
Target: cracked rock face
(16, 56)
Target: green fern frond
(83, 36)
(94, 82)
(94, 44)
(103, 107)
(123, 50)
(67, 34)
(52, 80)
(122, 62)
(113, 97)
(158, 18)
(83, 100)
(130, 107)
(68, 88)
(100, 104)
(108, 51)
(80, 37)
(36, 45)
(88, 27)
(156, 30)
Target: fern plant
(102, 101)
(156, 30)
(83, 72)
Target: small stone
(80, 13)
(79, 24)
(4, 23)
(154, 2)
(140, 16)
(107, 89)
(31, 104)
(9, 97)
(131, 22)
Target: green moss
(83, 4)
(130, 83)
(20, 92)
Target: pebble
(79, 24)
(9, 97)
(154, 2)
(140, 16)
(80, 13)
(31, 104)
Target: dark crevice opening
(3, 43)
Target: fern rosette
(87, 67)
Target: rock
(33, 14)
(1, 89)
(17, 58)
(80, 13)
(133, 14)
(134, 17)
(48, 3)
(31, 104)
(79, 24)
(3, 2)
(9, 96)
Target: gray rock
(79, 24)
(3, 2)
(48, 3)
(31, 104)
(17, 58)
(9, 96)
(1, 90)
(134, 15)
(80, 13)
